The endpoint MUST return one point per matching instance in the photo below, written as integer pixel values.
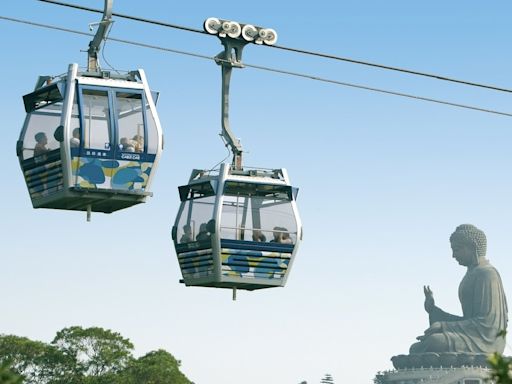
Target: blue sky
(383, 183)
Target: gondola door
(92, 168)
(130, 150)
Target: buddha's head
(469, 244)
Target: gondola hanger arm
(101, 33)
(234, 37)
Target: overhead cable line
(297, 50)
(397, 69)
(275, 70)
(134, 18)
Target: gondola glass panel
(39, 138)
(195, 213)
(257, 212)
(96, 120)
(152, 131)
(40, 151)
(192, 240)
(130, 121)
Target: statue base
(466, 375)
(437, 360)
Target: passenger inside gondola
(41, 144)
(282, 236)
(187, 234)
(285, 238)
(203, 234)
(206, 230)
(127, 145)
(75, 140)
(257, 235)
(138, 143)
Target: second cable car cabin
(237, 229)
(90, 142)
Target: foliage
(157, 367)
(84, 356)
(35, 361)
(94, 351)
(501, 368)
(7, 376)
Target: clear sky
(383, 183)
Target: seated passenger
(75, 140)
(285, 238)
(203, 234)
(257, 235)
(41, 144)
(277, 235)
(138, 143)
(210, 226)
(187, 234)
(281, 236)
(126, 145)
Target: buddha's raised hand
(429, 299)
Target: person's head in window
(138, 143)
(75, 140)
(285, 238)
(41, 144)
(203, 234)
(210, 226)
(281, 235)
(126, 145)
(278, 235)
(187, 234)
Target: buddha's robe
(485, 313)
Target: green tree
(36, 362)
(84, 356)
(156, 367)
(7, 376)
(94, 351)
(501, 368)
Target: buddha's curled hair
(468, 232)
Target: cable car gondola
(91, 140)
(236, 228)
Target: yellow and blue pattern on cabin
(254, 264)
(94, 173)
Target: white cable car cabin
(91, 140)
(90, 143)
(237, 229)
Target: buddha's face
(464, 252)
